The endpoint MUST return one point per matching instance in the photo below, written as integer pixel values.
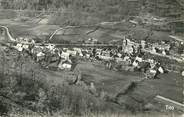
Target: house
(91, 41)
(105, 57)
(79, 51)
(65, 64)
(182, 73)
(71, 52)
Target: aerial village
(125, 54)
(127, 69)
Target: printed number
(168, 107)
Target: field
(112, 83)
(169, 85)
(104, 32)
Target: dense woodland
(23, 88)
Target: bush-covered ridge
(24, 89)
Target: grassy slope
(111, 82)
(169, 85)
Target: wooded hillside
(111, 9)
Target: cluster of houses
(129, 56)
(48, 54)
